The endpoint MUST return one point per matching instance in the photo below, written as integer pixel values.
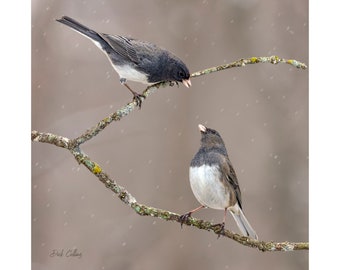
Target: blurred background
(261, 111)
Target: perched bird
(214, 182)
(135, 60)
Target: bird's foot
(220, 230)
(172, 83)
(138, 98)
(184, 218)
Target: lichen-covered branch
(124, 111)
(50, 138)
(252, 60)
(73, 145)
(145, 210)
(116, 116)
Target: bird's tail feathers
(82, 29)
(242, 222)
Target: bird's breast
(207, 187)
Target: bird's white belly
(207, 187)
(125, 71)
(131, 74)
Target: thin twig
(252, 60)
(116, 116)
(124, 111)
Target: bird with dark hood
(135, 60)
(214, 182)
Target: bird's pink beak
(202, 128)
(187, 83)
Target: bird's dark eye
(181, 74)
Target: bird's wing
(122, 46)
(230, 176)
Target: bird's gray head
(178, 71)
(210, 137)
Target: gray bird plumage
(214, 182)
(135, 60)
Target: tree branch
(124, 111)
(74, 147)
(252, 60)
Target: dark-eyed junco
(135, 60)
(214, 182)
